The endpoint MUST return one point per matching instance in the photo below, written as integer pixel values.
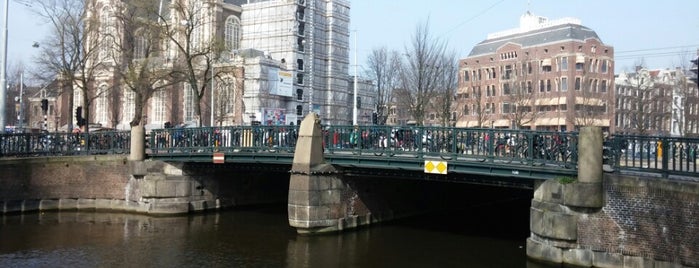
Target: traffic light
(44, 105)
(374, 118)
(695, 70)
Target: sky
(655, 32)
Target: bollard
(590, 155)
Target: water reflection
(257, 237)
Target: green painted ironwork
(502, 152)
(653, 154)
(64, 144)
(478, 151)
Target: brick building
(544, 75)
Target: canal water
(484, 235)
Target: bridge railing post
(491, 141)
(665, 155)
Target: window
(507, 108)
(129, 105)
(564, 83)
(158, 113)
(299, 94)
(577, 83)
(563, 107)
(232, 33)
(299, 110)
(189, 98)
(107, 28)
(604, 66)
(548, 85)
(140, 48)
(196, 25)
(508, 71)
(506, 89)
(564, 63)
(299, 44)
(466, 78)
(579, 66)
(542, 86)
(529, 87)
(225, 96)
(102, 105)
(77, 100)
(593, 85)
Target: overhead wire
(472, 18)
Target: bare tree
(196, 52)
(384, 66)
(447, 82)
(69, 54)
(591, 101)
(684, 97)
(142, 66)
(646, 103)
(520, 96)
(418, 78)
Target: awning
(546, 62)
(550, 101)
(580, 59)
(555, 121)
(589, 101)
(501, 123)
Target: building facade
(544, 75)
(281, 59)
(656, 102)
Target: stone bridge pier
(324, 198)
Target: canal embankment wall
(643, 222)
(115, 183)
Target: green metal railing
(58, 144)
(487, 145)
(376, 143)
(405, 145)
(274, 144)
(655, 154)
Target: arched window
(196, 25)
(102, 106)
(189, 102)
(129, 105)
(107, 37)
(140, 46)
(232, 33)
(158, 105)
(225, 96)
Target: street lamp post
(3, 75)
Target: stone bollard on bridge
(320, 200)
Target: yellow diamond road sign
(435, 167)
